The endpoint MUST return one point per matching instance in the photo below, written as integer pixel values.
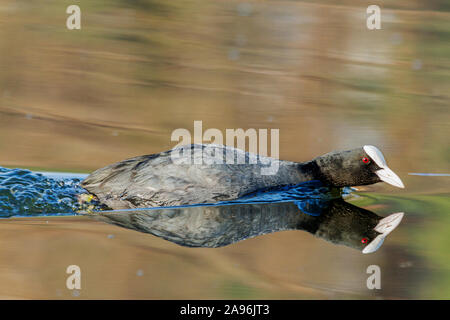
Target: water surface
(74, 101)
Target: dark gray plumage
(158, 180)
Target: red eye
(364, 240)
(365, 160)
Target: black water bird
(339, 222)
(210, 173)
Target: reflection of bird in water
(203, 174)
(214, 226)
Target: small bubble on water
(405, 264)
(233, 54)
(75, 293)
(244, 9)
(416, 64)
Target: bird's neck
(308, 171)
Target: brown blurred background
(76, 100)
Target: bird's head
(355, 227)
(384, 227)
(356, 167)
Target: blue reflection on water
(27, 193)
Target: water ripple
(27, 193)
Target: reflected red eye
(364, 240)
(365, 160)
